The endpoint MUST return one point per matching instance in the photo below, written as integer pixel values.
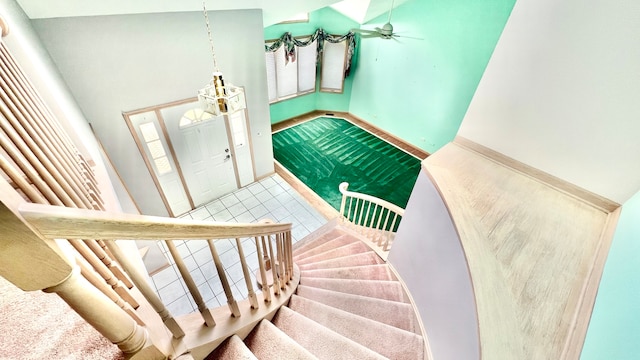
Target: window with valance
(292, 63)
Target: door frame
(156, 109)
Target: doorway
(209, 155)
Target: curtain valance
(289, 43)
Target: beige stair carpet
(392, 313)
(381, 289)
(360, 259)
(319, 340)
(349, 305)
(311, 241)
(267, 342)
(371, 272)
(344, 240)
(37, 325)
(398, 344)
(349, 249)
(232, 349)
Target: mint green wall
(419, 90)
(332, 22)
(614, 330)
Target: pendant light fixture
(217, 97)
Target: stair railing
(372, 217)
(195, 333)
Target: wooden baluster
(145, 288)
(95, 280)
(378, 238)
(386, 223)
(265, 251)
(281, 266)
(343, 187)
(191, 285)
(45, 161)
(105, 316)
(360, 212)
(290, 243)
(253, 299)
(388, 237)
(27, 120)
(20, 181)
(263, 270)
(367, 219)
(274, 268)
(106, 259)
(32, 98)
(25, 166)
(281, 261)
(102, 269)
(285, 258)
(233, 305)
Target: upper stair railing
(372, 217)
(194, 333)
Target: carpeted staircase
(348, 305)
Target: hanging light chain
(213, 53)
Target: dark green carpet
(324, 152)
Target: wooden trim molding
(557, 183)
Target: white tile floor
(270, 198)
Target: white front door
(205, 156)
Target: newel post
(104, 315)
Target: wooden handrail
(55, 222)
(345, 193)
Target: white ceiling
(274, 11)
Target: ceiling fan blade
(407, 37)
(369, 36)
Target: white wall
(126, 62)
(560, 93)
(428, 255)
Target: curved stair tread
(345, 250)
(319, 340)
(360, 259)
(232, 349)
(392, 313)
(267, 342)
(398, 344)
(381, 289)
(371, 272)
(343, 240)
(325, 233)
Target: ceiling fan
(385, 32)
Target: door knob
(226, 150)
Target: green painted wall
(614, 330)
(334, 23)
(419, 90)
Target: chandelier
(217, 97)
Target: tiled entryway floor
(271, 198)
